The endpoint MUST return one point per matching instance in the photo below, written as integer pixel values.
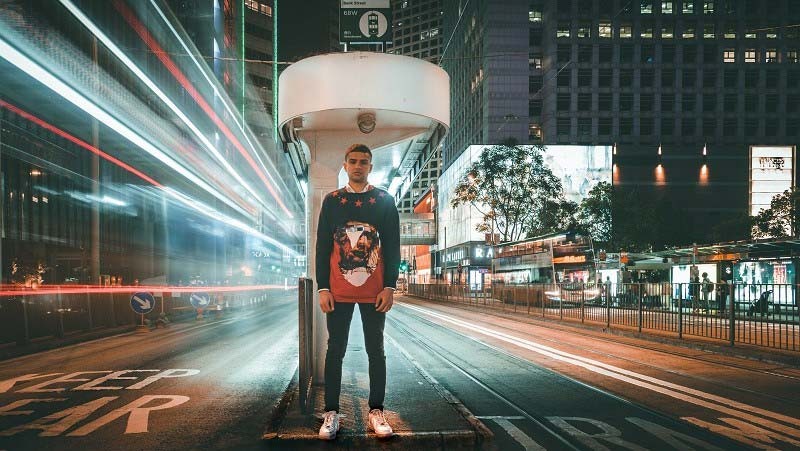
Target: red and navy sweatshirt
(358, 244)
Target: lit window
(708, 31)
(666, 7)
(688, 6)
(625, 31)
(424, 35)
(750, 56)
(791, 56)
(563, 30)
(730, 32)
(647, 7)
(404, 5)
(267, 10)
(729, 56)
(749, 35)
(604, 29)
(708, 7)
(434, 32)
(252, 4)
(584, 30)
(535, 63)
(667, 33)
(772, 35)
(647, 32)
(688, 32)
(535, 16)
(771, 56)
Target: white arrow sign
(143, 303)
(202, 300)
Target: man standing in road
(358, 257)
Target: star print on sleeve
(359, 203)
(343, 201)
(335, 193)
(372, 200)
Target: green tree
(780, 219)
(514, 191)
(594, 213)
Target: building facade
(683, 88)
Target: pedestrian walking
(358, 258)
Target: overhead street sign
(200, 300)
(142, 302)
(365, 21)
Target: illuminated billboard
(771, 173)
(580, 168)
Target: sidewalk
(423, 414)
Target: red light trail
(45, 290)
(148, 39)
(79, 142)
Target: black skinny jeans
(338, 322)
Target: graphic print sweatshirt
(358, 245)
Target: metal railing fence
(757, 314)
(32, 316)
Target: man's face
(358, 165)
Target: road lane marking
(68, 417)
(116, 375)
(744, 432)
(39, 388)
(670, 389)
(607, 433)
(137, 421)
(516, 433)
(163, 375)
(494, 393)
(8, 410)
(675, 439)
(8, 383)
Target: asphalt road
(196, 385)
(211, 385)
(543, 386)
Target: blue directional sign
(200, 299)
(142, 302)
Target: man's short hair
(358, 148)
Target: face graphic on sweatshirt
(358, 246)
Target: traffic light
(404, 266)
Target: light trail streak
(182, 198)
(46, 290)
(203, 70)
(148, 39)
(79, 142)
(49, 80)
(157, 91)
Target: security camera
(366, 122)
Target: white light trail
(234, 116)
(47, 79)
(159, 93)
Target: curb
(281, 406)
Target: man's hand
(326, 301)
(384, 301)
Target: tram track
(528, 321)
(540, 420)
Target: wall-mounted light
(659, 155)
(705, 155)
